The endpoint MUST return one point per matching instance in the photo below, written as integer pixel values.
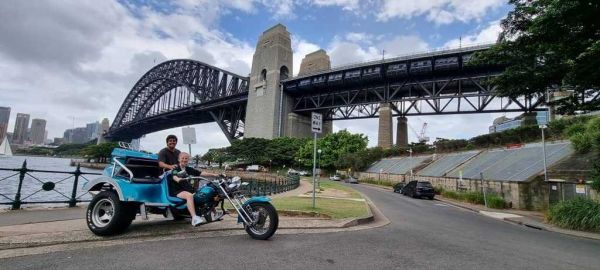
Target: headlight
(235, 182)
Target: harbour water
(31, 190)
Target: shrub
(377, 182)
(582, 142)
(593, 124)
(474, 197)
(495, 201)
(574, 129)
(578, 214)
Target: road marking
(498, 215)
(442, 204)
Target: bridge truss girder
(451, 95)
(180, 88)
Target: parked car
(398, 187)
(351, 180)
(254, 168)
(335, 177)
(419, 189)
(292, 172)
(304, 173)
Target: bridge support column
(402, 132)
(385, 126)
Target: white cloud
(280, 8)
(359, 47)
(486, 35)
(350, 5)
(437, 11)
(359, 37)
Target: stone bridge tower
(268, 106)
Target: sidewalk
(37, 228)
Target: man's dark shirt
(183, 185)
(171, 158)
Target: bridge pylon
(268, 106)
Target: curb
(457, 205)
(361, 221)
(526, 224)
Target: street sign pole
(317, 125)
(314, 169)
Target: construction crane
(421, 135)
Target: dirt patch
(330, 192)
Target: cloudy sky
(73, 62)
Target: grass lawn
(335, 208)
(328, 184)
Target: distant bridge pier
(385, 126)
(402, 132)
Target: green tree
(281, 151)
(549, 44)
(332, 146)
(218, 155)
(250, 150)
(100, 152)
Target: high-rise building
(4, 116)
(92, 130)
(38, 131)
(76, 135)
(104, 126)
(21, 126)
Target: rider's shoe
(196, 220)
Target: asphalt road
(423, 235)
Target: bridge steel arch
(182, 92)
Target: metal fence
(564, 191)
(41, 181)
(269, 187)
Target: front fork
(238, 202)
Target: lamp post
(319, 169)
(542, 127)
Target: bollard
(73, 200)
(17, 202)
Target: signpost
(189, 137)
(317, 128)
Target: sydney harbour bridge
(269, 103)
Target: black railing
(269, 187)
(24, 174)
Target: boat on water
(5, 150)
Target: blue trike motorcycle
(134, 184)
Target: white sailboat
(5, 149)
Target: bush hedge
(377, 182)
(579, 214)
(494, 200)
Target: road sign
(317, 122)
(189, 135)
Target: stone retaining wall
(520, 195)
